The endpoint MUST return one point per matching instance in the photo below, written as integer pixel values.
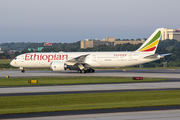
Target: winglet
(151, 43)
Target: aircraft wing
(77, 60)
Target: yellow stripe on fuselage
(151, 45)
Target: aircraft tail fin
(150, 45)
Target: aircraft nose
(11, 63)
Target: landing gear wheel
(79, 71)
(22, 71)
(84, 71)
(90, 70)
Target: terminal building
(109, 41)
(171, 34)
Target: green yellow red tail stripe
(152, 44)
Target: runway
(150, 113)
(148, 73)
(90, 87)
(172, 84)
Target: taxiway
(148, 73)
(90, 87)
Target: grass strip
(69, 80)
(90, 101)
(5, 61)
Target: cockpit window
(15, 58)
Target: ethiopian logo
(152, 44)
(45, 57)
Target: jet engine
(58, 66)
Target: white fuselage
(93, 59)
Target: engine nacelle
(58, 66)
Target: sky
(74, 20)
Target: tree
(17, 53)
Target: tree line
(166, 46)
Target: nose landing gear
(22, 69)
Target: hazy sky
(74, 20)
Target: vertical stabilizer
(150, 45)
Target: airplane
(83, 62)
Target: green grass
(5, 61)
(90, 101)
(69, 80)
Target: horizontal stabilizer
(162, 55)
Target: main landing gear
(86, 71)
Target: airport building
(171, 34)
(109, 41)
(1, 51)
